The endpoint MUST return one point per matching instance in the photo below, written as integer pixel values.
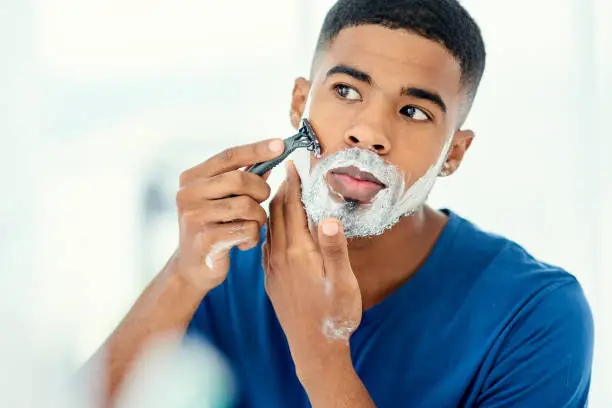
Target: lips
(354, 184)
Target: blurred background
(103, 104)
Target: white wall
(98, 99)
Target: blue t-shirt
(481, 324)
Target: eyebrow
(424, 94)
(406, 91)
(353, 72)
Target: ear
(298, 101)
(462, 140)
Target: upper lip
(355, 173)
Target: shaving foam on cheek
(417, 194)
(388, 206)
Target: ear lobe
(299, 98)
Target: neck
(383, 263)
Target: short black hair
(443, 21)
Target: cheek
(330, 120)
(415, 157)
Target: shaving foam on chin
(400, 197)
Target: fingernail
(276, 146)
(330, 228)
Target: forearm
(332, 382)
(166, 306)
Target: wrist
(180, 281)
(323, 364)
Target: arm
(331, 381)
(166, 306)
(546, 359)
(316, 297)
(219, 208)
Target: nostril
(353, 139)
(378, 147)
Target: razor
(304, 138)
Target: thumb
(333, 246)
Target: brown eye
(346, 92)
(414, 113)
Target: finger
(234, 158)
(296, 222)
(333, 247)
(264, 176)
(268, 235)
(234, 183)
(218, 239)
(265, 252)
(276, 222)
(241, 208)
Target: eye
(415, 113)
(346, 92)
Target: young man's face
(392, 95)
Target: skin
(311, 276)
(374, 116)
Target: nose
(369, 134)
(365, 142)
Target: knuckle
(259, 187)
(222, 206)
(251, 229)
(262, 216)
(184, 178)
(194, 220)
(267, 190)
(181, 199)
(254, 207)
(228, 155)
(239, 178)
(243, 203)
(190, 219)
(219, 209)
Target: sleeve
(546, 358)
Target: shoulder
(543, 344)
(515, 291)
(500, 263)
(544, 352)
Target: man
(353, 293)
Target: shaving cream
(400, 197)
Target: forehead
(396, 57)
